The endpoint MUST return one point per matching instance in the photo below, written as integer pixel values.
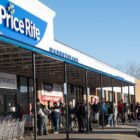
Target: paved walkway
(121, 132)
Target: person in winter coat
(55, 116)
(96, 109)
(71, 115)
(110, 114)
(40, 118)
(46, 112)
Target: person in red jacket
(120, 109)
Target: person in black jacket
(85, 116)
(96, 109)
(110, 114)
(55, 116)
(79, 116)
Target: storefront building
(22, 26)
(31, 61)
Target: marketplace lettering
(24, 26)
(62, 54)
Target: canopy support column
(113, 96)
(128, 94)
(66, 100)
(122, 95)
(35, 95)
(102, 102)
(123, 101)
(134, 93)
(87, 95)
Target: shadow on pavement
(91, 139)
(80, 139)
(114, 132)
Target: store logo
(22, 26)
(11, 9)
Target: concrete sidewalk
(87, 137)
(121, 132)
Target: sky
(108, 30)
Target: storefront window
(31, 90)
(69, 89)
(24, 94)
(110, 96)
(1, 104)
(30, 95)
(23, 85)
(119, 96)
(126, 98)
(98, 94)
(132, 98)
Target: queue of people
(128, 112)
(105, 113)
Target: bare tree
(131, 68)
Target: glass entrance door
(7, 101)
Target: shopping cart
(12, 129)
